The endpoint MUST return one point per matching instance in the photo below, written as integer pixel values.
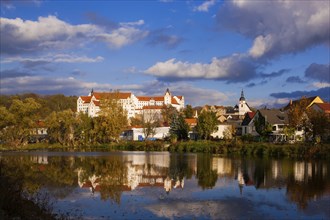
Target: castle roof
(86, 99)
(117, 95)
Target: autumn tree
(112, 119)
(18, 121)
(150, 120)
(167, 114)
(298, 115)
(206, 124)
(61, 127)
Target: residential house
(277, 119)
(310, 100)
(322, 107)
(248, 126)
(192, 122)
(221, 129)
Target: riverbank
(258, 149)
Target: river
(163, 185)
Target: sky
(207, 51)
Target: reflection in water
(111, 176)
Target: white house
(137, 134)
(221, 128)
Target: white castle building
(132, 104)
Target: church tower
(243, 106)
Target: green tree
(188, 111)
(205, 175)
(206, 124)
(263, 128)
(179, 127)
(320, 123)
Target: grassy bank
(298, 150)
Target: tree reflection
(205, 175)
(313, 185)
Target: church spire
(242, 96)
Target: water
(161, 185)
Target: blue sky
(207, 51)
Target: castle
(133, 105)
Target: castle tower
(167, 97)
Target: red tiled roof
(119, 95)
(86, 99)
(40, 124)
(324, 106)
(148, 98)
(153, 107)
(96, 103)
(174, 101)
(251, 114)
(191, 121)
(179, 97)
(144, 98)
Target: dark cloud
(278, 27)
(318, 71)
(250, 85)
(13, 73)
(161, 37)
(275, 74)
(294, 79)
(324, 93)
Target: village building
(132, 105)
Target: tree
(61, 127)
(298, 115)
(206, 124)
(263, 128)
(112, 119)
(150, 120)
(320, 123)
(179, 127)
(18, 121)
(188, 111)
(167, 114)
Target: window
(274, 128)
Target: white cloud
(48, 33)
(321, 84)
(232, 69)
(57, 58)
(204, 7)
